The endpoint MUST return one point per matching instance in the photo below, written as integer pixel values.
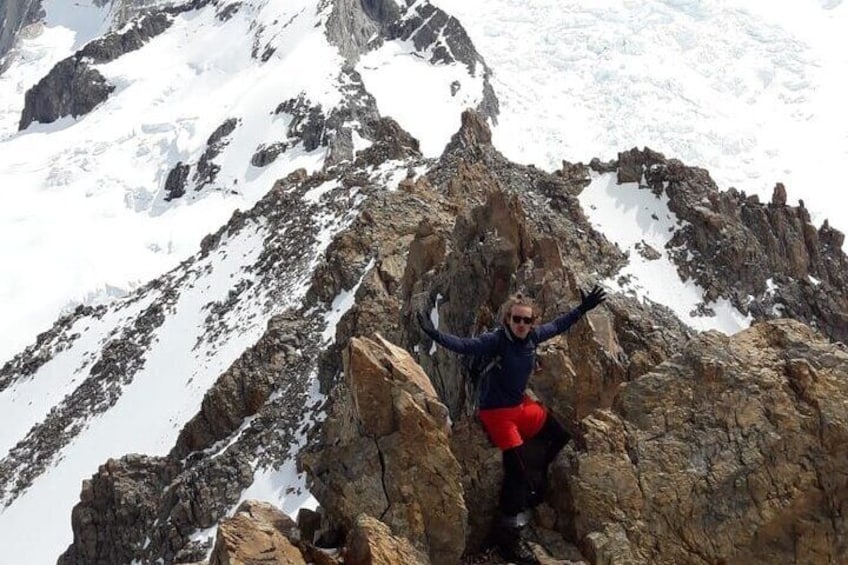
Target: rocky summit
(689, 447)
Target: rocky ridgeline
(689, 448)
(768, 259)
(470, 231)
(477, 227)
(268, 386)
(399, 441)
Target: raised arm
(562, 323)
(483, 344)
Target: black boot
(513, 547)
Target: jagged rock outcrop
(732, 451)
(371, 542)
(307, 121)
(471, 232)
(113, 45)
(767, 258)
(72, 88)
(356, 116)
(144, 504)
(257, 533)
(245, 387)
(115, 506)
(207, 170)
(176, 182)
(391, 458)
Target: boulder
(387, 453)
(371, 542)
(255, 534)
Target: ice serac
(732, 451)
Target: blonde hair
(517, 299)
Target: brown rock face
(391, 456)
(371, 542)
(255, 535)
(117, 505)
(733, 451)
(242, 389)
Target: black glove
(591, 300)
(426, 325)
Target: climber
(508, 415)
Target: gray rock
(207, 170)
(113, 45)
(176, 182)
(72, 88)
(359, 26)
(307, 123)
(267, 154)
(15, 15)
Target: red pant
(509, 427)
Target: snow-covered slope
(87, 217)
(752, 91)
(89, 220)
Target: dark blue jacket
(518, 357)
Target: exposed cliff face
(732, 451)
(388, 420)
(71, 89)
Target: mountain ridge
(222, 371)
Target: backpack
(479, 369)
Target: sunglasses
(522, 319)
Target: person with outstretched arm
(508, 415)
